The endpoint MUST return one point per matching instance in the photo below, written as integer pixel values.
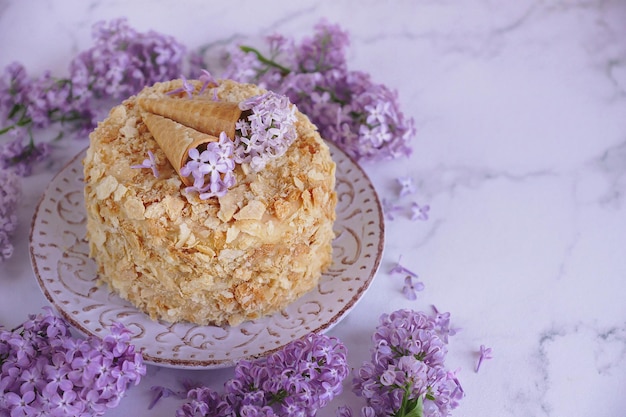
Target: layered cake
(191, 219)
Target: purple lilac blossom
(207, 81)
(164, 392)
(419, 212)
(400, 269)
(211, 169)
(296, 380)
(353, 103)
(359, 115)
(407, 186)
(411, 284)
(443, 325)
(51, 100)
(46, 371)
(390, 209)
(187, 88)
(21, 155)
(411, 287)
(149, 162)
(123, 61)
(195, 61)
(266, 132)
(325, 50)
(10, 194)
(407, 370)
(27, 102)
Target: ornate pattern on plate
(68, 278)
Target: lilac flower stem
(485, 353)
(410, 407)
(480, 361)
(22, 121)
(7, 129)
(357, 116)
(283, 70)
(26, 152)
(15, 109)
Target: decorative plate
(68, 278)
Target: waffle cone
(175, 140)
(206, 116)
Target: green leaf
(417, 410)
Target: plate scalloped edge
(67, 276)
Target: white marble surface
(521, 153)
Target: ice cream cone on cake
(176, 140)
(206, 116)
(179, 125)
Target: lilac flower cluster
(47, 372)
(123, 61)
(30, 102)
(266, 131)
(211, 169)
(297, 380)
(10, 193)
(406, 376)
(21, 156)
(359, 115)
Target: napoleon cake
(209, 202)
